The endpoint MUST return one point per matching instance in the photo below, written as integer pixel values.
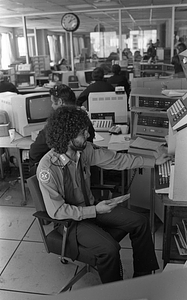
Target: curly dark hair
(116, 69)
(63, 92)
(64, 125)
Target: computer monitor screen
(88, 77)
(30, 112)
(57, 76)
(85, 77)
(38, 108)
(108, 103)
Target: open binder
(181, 237)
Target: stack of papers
(119, 142)
(146, 144)
(98, 137)
(174, 93)
(145, 147)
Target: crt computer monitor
(25, 80)
(62, 76)
(28, 112)
(85, 77)
(108, 103)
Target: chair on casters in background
(55, 242)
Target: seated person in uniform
(100, 85)
(62, 173)
(61, 95)
(118, 79)
(6, 86)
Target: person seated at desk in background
(61, 95)
(100, 85)
(62, 65)
(6, 86)
(176, 60)
(118, 79)
(151, 50)
(64, 170)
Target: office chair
(56, 243)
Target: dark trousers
(97, 235)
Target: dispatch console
(149, 113)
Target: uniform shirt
(96, 87)
(60, 181)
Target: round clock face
(70, 22)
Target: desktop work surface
(41, 89)
(169, 285)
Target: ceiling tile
(88, 19)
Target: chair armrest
(110, 187)
(43, 215)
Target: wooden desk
(20, 143)
(172, 209)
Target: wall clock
(70, 22)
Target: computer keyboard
(101, 124)
(162, 175)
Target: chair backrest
(34, 188)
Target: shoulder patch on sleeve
(44, 176)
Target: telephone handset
(177, 113)
(116, 129)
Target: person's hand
(105, 206)
(162, 159)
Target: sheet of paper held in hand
(119, 199)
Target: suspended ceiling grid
(46, 14)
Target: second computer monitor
(108, 105)
(85, 77)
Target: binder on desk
(180, 238)
(162, 178)
(182, 251)
(184, 223)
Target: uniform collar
(65, 159)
